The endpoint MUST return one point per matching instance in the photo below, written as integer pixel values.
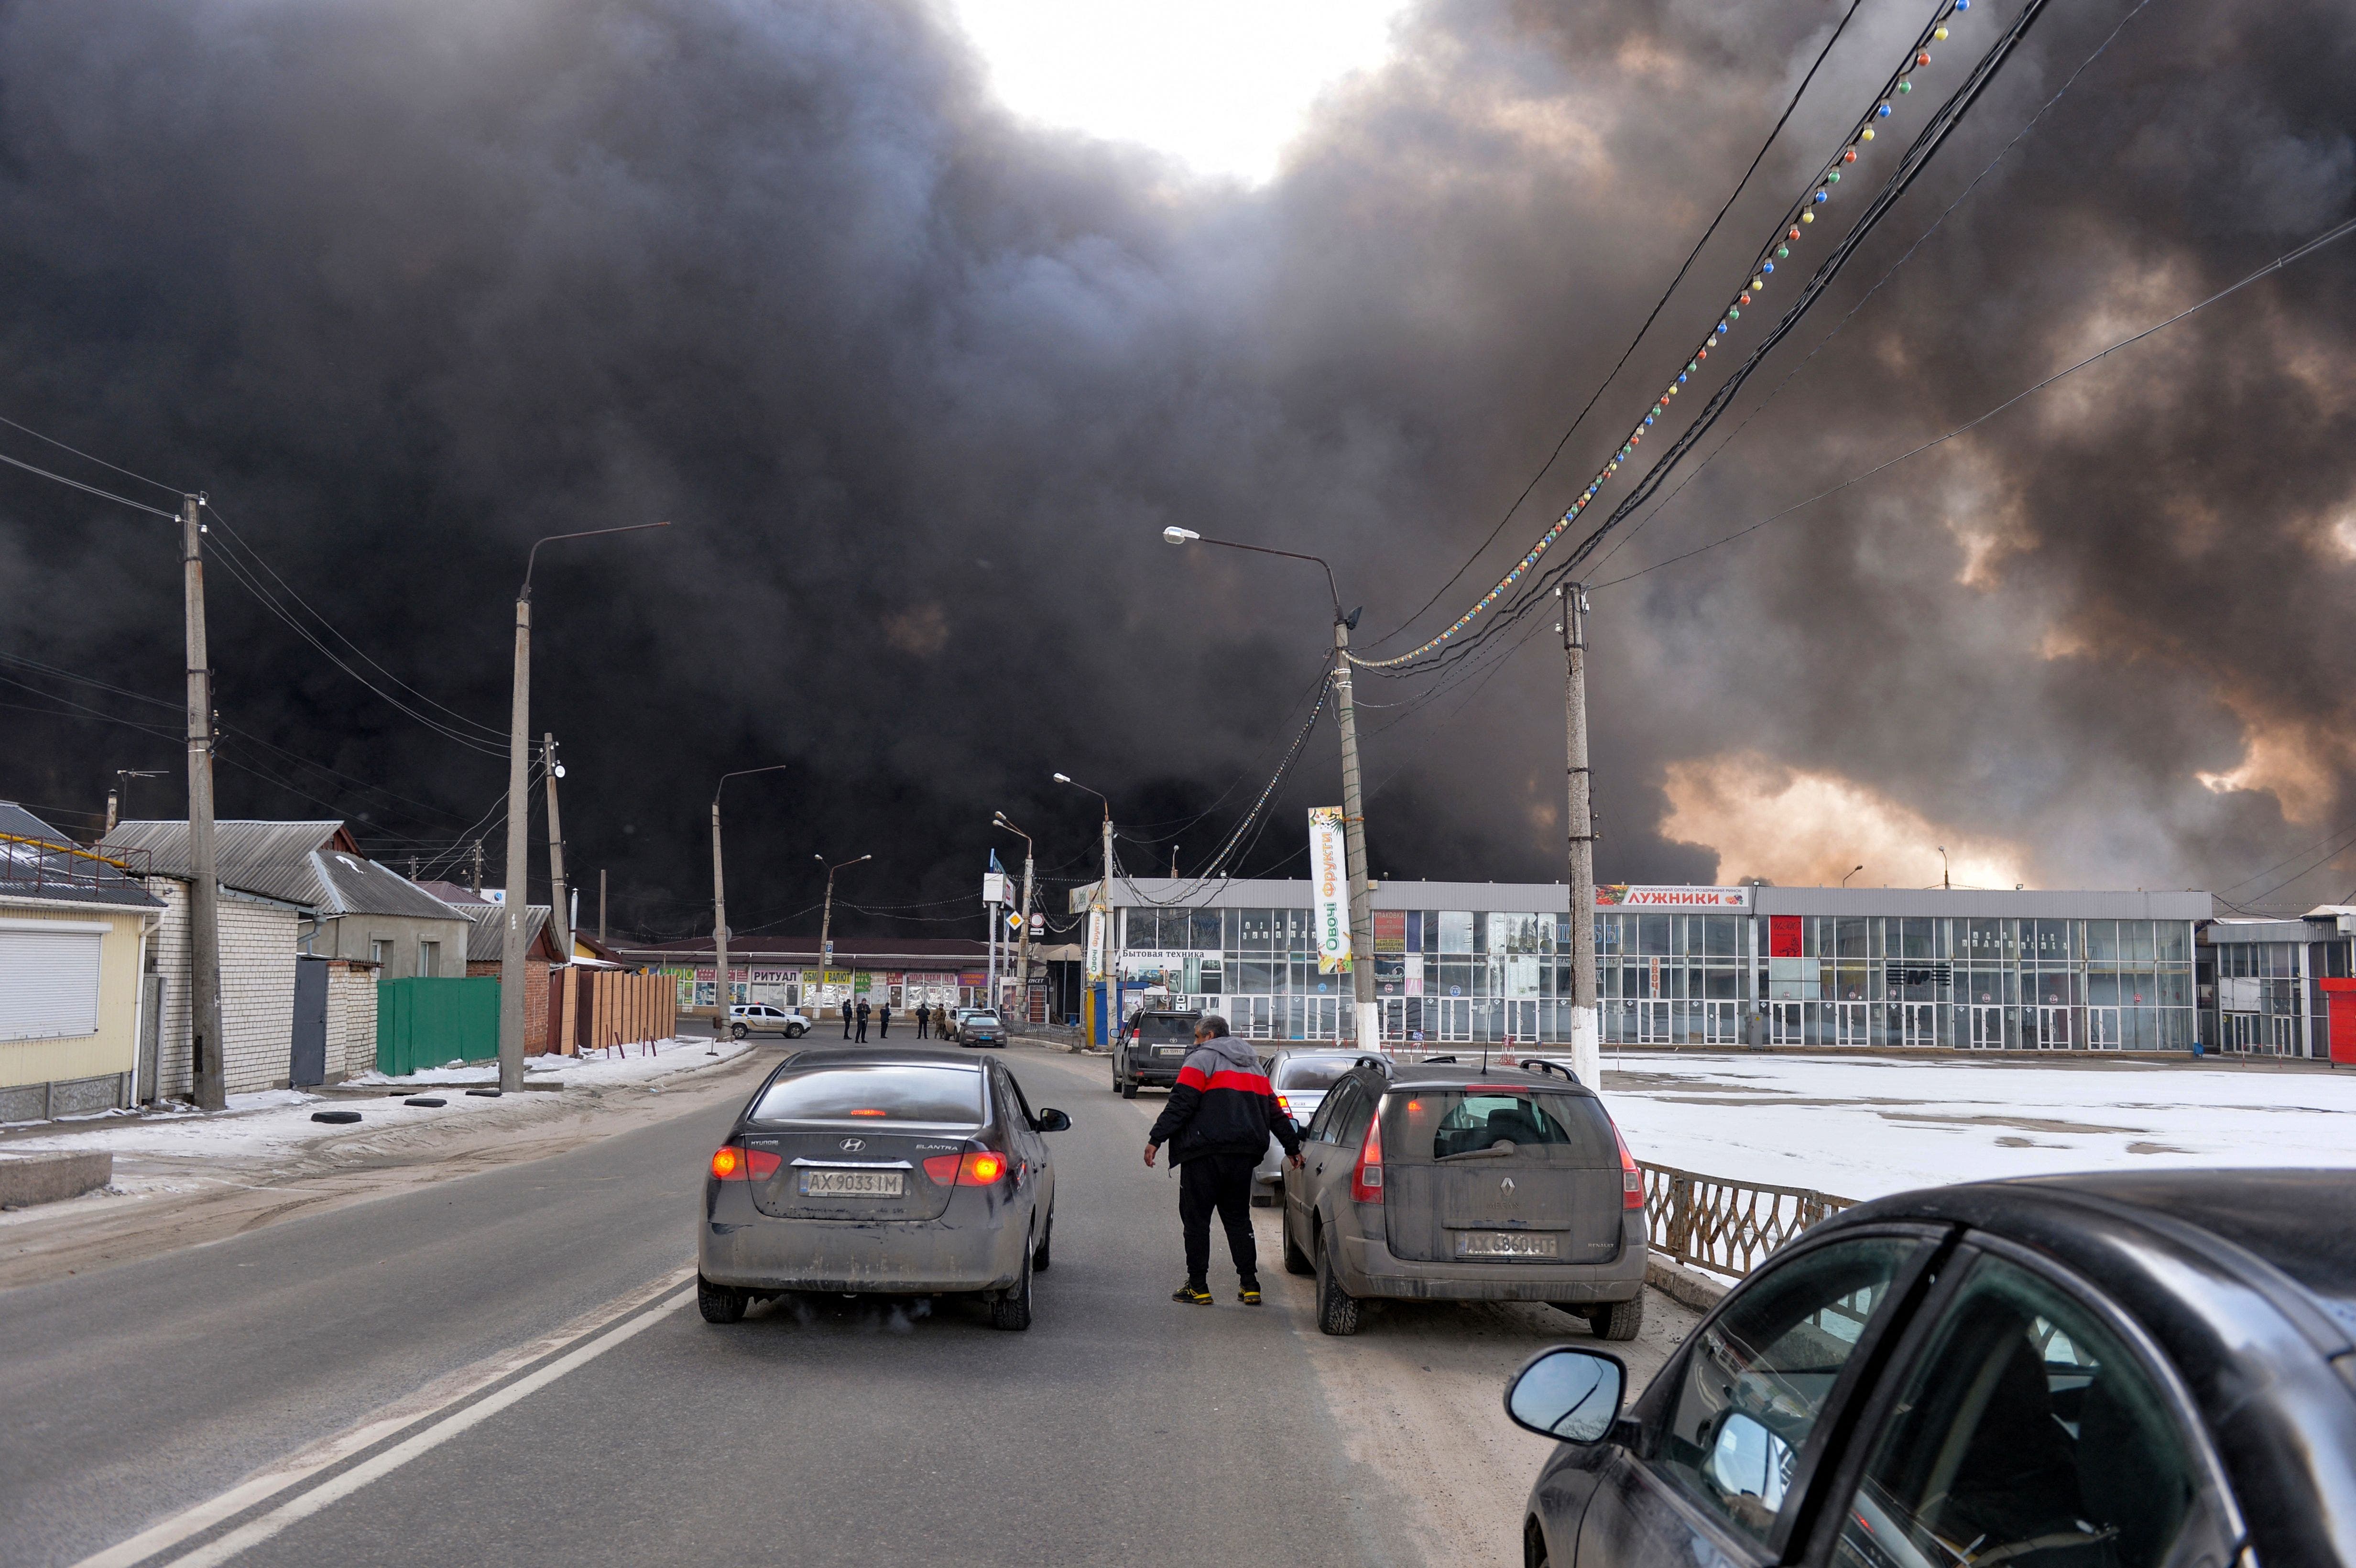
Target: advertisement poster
(1096, 944)
(1329, 891)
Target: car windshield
(1572, 1127)
(875, 1092)
(1164, 1030)
(1305, 1074)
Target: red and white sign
(1621, 895)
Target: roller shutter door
(48, 984)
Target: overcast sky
(919, 356)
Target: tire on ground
(1337, 1309)
(1011, 1308)
(718, 1303)
(1617, 1319)
(338, 1117)
(1039, 1260)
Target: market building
(786, 972)
(2280, 987)
(1489, 963)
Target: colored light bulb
(1784, 250)
(1941, 34)
(1850, 157)
(1905, 87)
(1822, 197)
(1794, 235)
(1923, 59)
(1810, 216)
(1882, 112)
(1867, 135)
(1832, 178)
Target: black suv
(1150, 1049)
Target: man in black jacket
(1217, 1123)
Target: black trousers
(863, 1029)
(846, 1026)
(1224, 1182)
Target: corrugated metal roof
(486, 942)
(298, 862)
(36, 871)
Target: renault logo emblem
(1506, 1186)
(852, 1145)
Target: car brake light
(1367, 1178)
(1632, 1180)
(975, 1168)
(1284, 1103)
(733, 1164)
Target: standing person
(924, 1021)
(846, 1017)
(863, 1010)
(884, 1021)
(1217, 1123)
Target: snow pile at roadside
(277, 1122)
(633, 1064)
(1863, 1127)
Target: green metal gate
(432, 1022)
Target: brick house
(486, 953)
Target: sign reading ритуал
(1329, 890)
(1621, 895)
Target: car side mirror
(1750, 1465)
(1567, 1393)
(1050, 1120)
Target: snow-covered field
(1862, 1127)
(278, 1121)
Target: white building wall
(257, 943)
(352, 1019)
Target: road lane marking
(427, 1401)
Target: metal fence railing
(1727, 1227)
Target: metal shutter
(48, 984)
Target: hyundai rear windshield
(1315, 1073)
(1571, 1128)
(949, 1096)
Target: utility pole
(1023, 939)
(512, 951)
(1586, 1021)
(512, 969)
(209, 1081)
(478, 868)
(1354, 844)
(720, 998)
(600, 903)
(110, 811)
(826, 921)
(560, 914)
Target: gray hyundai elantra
(888, 1173)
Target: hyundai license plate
(851, 1184)
(1507, 1245)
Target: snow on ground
(277, 1122)
(1861, 1127)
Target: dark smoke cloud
(404, 287)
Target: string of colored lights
(1789, 232)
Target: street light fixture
(1945, 884)
(1353, 816)
(1022, 933)
(826, 921)
(120, 794)
(720, 994)
(511, 956)
(1100, 937)
(1852, 871)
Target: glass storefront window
(1721, 935)
(1455, 931)
(2134, 941)
(2172, 941)
(1652, 934)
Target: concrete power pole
(511, 914)
(600, 903)
(478, 868)
(1586, 1020)
(110, 804)
(206, 1070)
(719, 993)
(1369, 1020)
(1023, 942)
(559, 920)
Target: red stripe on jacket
(1226, 1078)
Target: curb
(1679, 1283)
(48, 1177)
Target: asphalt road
(1123, 1428)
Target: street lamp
(1944, 884)
(826, 921)
(511, 958)
(1354, 817)
(1100, 938)
(721, 996)
(1852, 871)
(1022, 934)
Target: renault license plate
(851, 1184)
(1507, 1245)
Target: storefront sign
(1095, 970)
(1620, 895)
(1329, 890)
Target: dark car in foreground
(1150, 1049)
(1444, 1182)
(2123, 1371)
(890, 1173)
